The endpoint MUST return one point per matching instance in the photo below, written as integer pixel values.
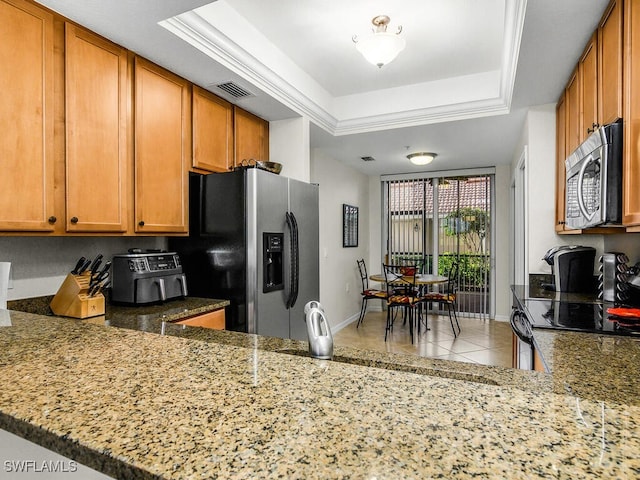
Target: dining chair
(400, 281)
(446, 295)
(367, 293)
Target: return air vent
(236, 91)
(367, 159)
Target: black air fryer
(572, 267)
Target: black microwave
(593, 190)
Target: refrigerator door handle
(296, 260)
(289, 300)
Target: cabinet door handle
(74, 220)
(141, 223)
(52, 219)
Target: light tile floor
(486, 342)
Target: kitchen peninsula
(198, 403)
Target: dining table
(420, 279)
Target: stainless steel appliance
(524, 348)
(572, 267)
(254, 241)
(594, 180)
(612, 281)
(142, 278)
(583, 317)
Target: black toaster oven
(143, 278)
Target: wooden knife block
(72, 299)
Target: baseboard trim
(354, 317)
(344, 323)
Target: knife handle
(84, 267)
(95, 264)
(79, 264)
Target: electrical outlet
(347, 287)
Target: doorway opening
(440, 220)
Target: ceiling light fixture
(380, 47)
(421, 158)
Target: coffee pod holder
(73, 300)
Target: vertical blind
(436, 221)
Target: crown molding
(198, 32)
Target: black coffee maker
(572, 267)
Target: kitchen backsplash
(39, 265)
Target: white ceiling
(461, 87)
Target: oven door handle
(581, 205)
(526, 337)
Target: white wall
(339, 279)
(502, 219)
(289, 145)
(39, 265)
(628, 243)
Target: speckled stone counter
(598, 367)
(143, 317)
(140, 405)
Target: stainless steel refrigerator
(253, 239)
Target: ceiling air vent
(236, 91)
(367, 159)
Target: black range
(589, 317)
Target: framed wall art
(349, 226)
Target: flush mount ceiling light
(421, 158)
(380, 47)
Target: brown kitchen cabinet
(214, 320)
(97, 159)
(212, 132)
(26, 118)
(572, 99)
(561, 154)
(538, 363)
(610, 58)
(588, 81)
(251, 136)
(567, 140)
(631, 157)
(162, 149)
(593, 96)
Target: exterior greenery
(473, 269)
(470, 225)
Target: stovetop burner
(580, 317)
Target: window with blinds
(435, 221)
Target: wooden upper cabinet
(572, 99)
(631, 143)
(588, 79)
(610, 57)
(96, 96)
(162, 149)
(212, 132)
(26, 118)
(251, 136)
(561, 155)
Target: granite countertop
(207, 404)
(147, 318)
